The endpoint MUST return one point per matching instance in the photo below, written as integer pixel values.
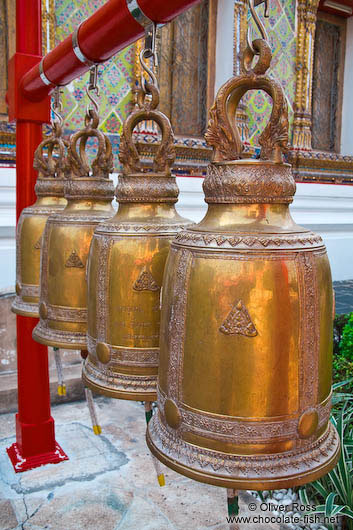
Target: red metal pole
(35, 437)
(111, 28)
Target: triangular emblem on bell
(244, 396)
(38, 245)
(126, 266)
(74, 261)
(238, 322)
(146, 282)
(67, 238)
(49, 189)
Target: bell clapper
(157, 465)
(97, 429)
(59, 370)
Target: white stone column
(224, 42)
(347, 106)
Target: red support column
(35, 435)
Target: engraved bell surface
(126, 265)
(67, 238)
(49, 189)
(244, 385)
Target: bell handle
(222, 132)
(48, 166)
(103, 162)
(128, 154)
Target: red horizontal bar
(110, 29)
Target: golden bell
(67, 238)
(49, 189)
(244, 387)
(126, 266)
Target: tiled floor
(108, 483)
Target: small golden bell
(125, 271)
(244, 386)
(67, 238)
(49, 189)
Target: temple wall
(282, 31)
(324, 208)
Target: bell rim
(40, 334)
(265, 483)
(24, 309)
(119, 393)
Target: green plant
(338, 325)
(346, 344)
(343, 370)
(333, 493)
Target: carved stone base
(119, 386)
(260, 472)
(59, 339)
(24, 309)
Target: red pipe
(110, 29)
(35, 438)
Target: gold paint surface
(326, 326)
(92, 286)
(269, 291)
(67, 285)
(134, 315)
(29, 239)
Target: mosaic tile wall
(280, 27)
(115, 77)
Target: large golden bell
(125, 271)
(244, 388)
(66, 242)
(49, 189)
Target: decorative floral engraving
(235, 430)
(227, 465)
(111, 381)
(177, 325)
(249, 183)
(196, 239)
(135, 228)
(309, 348)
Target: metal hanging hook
(56, 108)
(93, 87)
(258, 22)
(149, 52)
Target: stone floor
(344, 296)
(108, 483)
